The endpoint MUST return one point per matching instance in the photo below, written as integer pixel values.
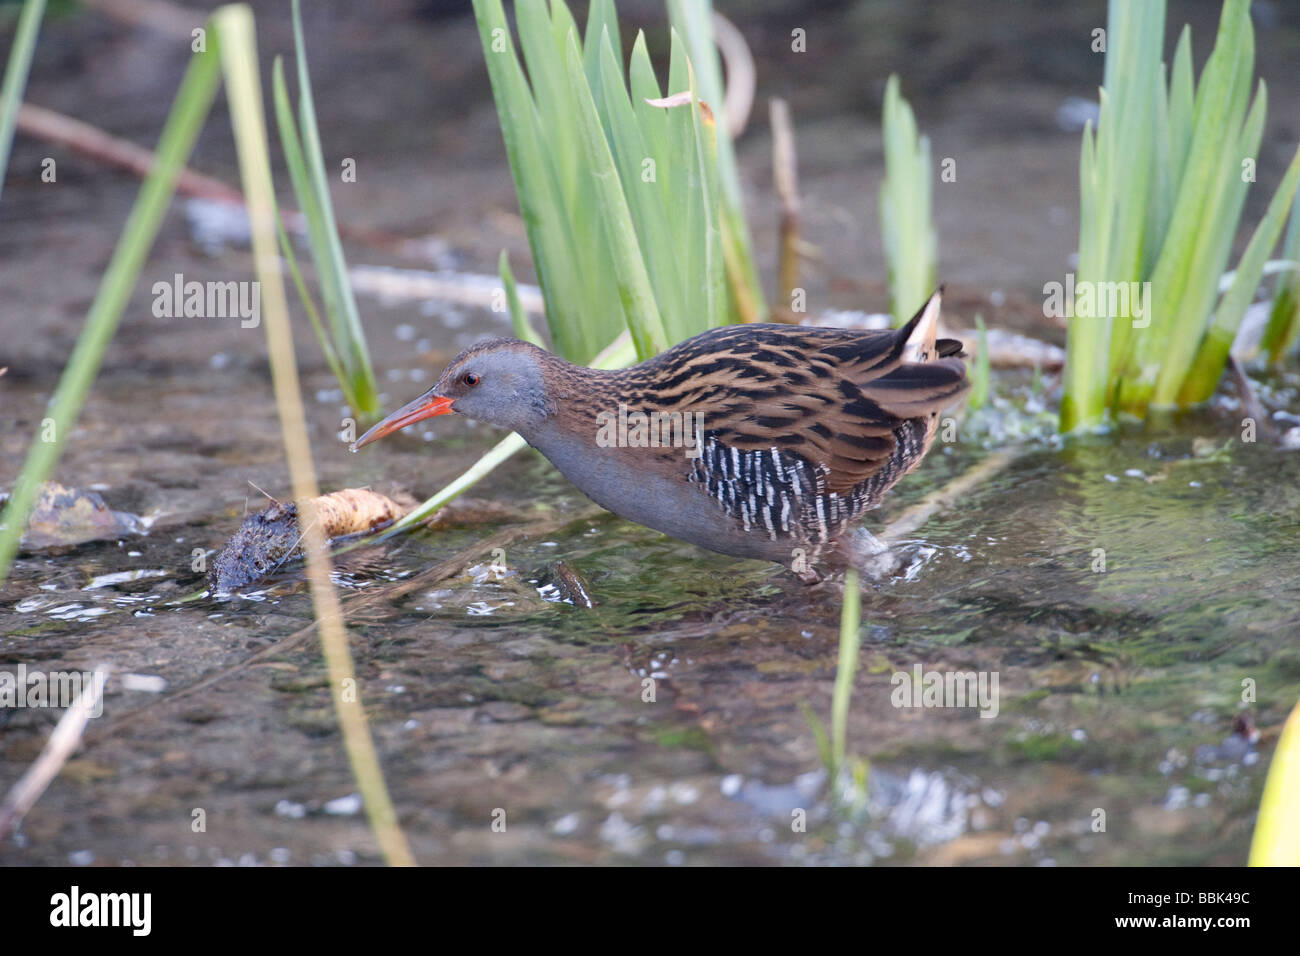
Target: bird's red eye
(470, 379)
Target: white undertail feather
(920, 345)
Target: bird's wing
(841, 400)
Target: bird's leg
(870, 543)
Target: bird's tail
(923, 331)
(923, 343)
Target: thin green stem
(16, 73)
(847, 668)
(186, 119)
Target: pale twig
(742, 78)
(243, 90)
(91, 141)
(880, 557)
(269, 496)
(785, 179)
(943, 498)
(463, 288)
(63, 741)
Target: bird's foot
(879, 566)
(808, 576)
(872, 557)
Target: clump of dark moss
(268, 539)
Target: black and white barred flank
(785, 495)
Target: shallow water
(1118, 689)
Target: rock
(65, 516)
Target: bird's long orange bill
(426, 406)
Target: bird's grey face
(501, 385)
(499, 382)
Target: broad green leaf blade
(652, 120)
(1083, 400)
(1182, 100)
(1213, 355)
(629, 266)
(601, 20)
(847, 666)
(685, 200)
(590, 312)
(1224, 204)
(706, 171)
(692, 20)
(906, 223)
(1284, 318)
(639, 174)
(1202, 178)
(1129, 155)
(537, 184)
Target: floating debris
(347, 806)
(395, 285)
(145, 683)
(573, 587)
(269, 538)
(123, 577)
